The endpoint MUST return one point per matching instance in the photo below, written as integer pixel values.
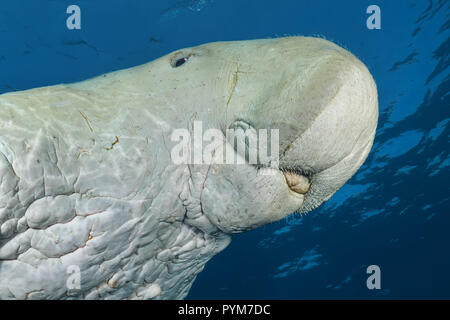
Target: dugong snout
(323, 101)
(334, 120)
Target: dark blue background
(394, 213)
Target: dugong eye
(179, 59)
(180, 62)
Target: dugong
(92, 205)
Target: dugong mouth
(297, 182)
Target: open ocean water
(394, 213)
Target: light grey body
(86, 177)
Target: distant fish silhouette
(184, 6)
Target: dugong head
(88, 177)
(320, 98)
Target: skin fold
(87, 181)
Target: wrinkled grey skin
(87, 180)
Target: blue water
(393, 213)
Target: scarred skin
(87, 178)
